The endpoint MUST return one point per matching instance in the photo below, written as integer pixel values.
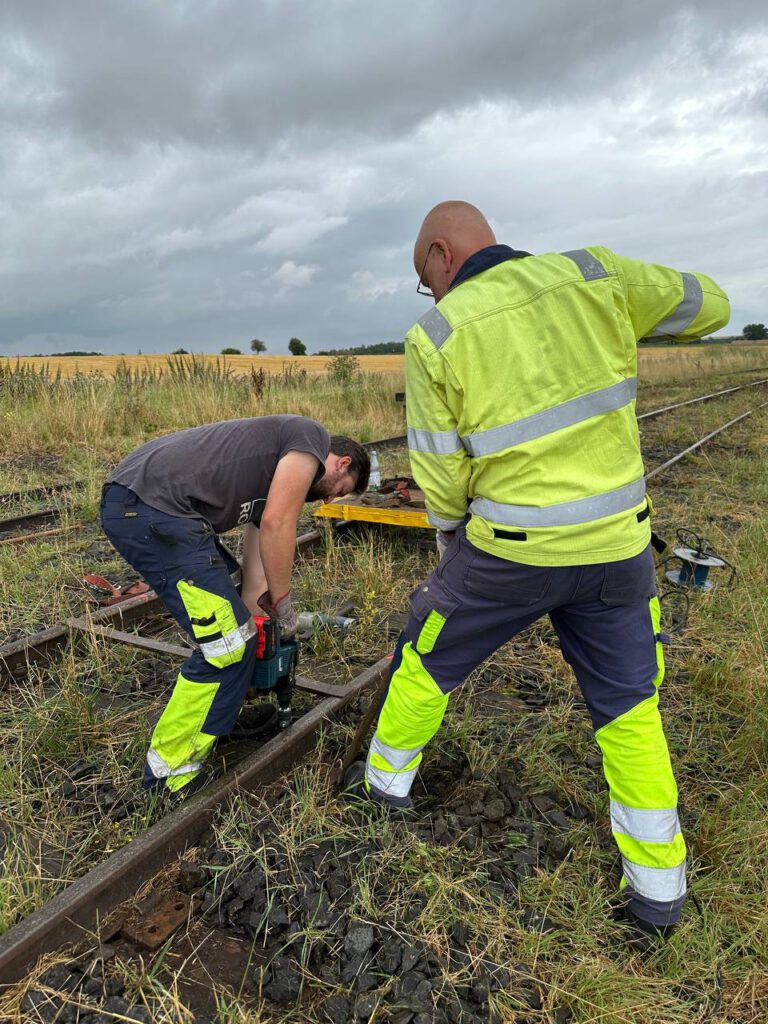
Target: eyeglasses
(425, 291)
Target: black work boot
(355, 791)
(255, 721)
(644, 937)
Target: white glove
(284, 612)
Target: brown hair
(361, 461)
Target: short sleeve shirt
(221, 471)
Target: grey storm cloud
(202, 173)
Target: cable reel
(690, 564)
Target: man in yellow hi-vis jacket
(521, 386)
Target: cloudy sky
(203, 172)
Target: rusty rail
(78, 910)
(693, 447)
(701, 398)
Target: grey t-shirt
(221, 471)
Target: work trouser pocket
(431, 607)
(214, 625)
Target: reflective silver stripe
(393, 784)
(590, 266)
(434, 442)
(647, 826)
(230, 643)
(398, 759)
(686, 312)
(435, 326)
(663, 884)
(161, 770)
(538, 424)
(443, 524)
(567, 513)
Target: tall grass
(104, 417)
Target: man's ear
(345, 461)
(445, 252)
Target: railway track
(90, 899)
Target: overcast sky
(205, 172)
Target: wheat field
(656, 363)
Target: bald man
(521, 386)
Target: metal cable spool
(690, 564)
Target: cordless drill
(276, 661)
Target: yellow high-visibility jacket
(521, 386)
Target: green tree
(297, 347)
(180, 352)
(231, 352)
(258, 346)
(755, 332)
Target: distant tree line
(381, 348)
(54, 355)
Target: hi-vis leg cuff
(178, 745)
(410, 717)
(389, 772)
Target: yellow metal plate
(339, 509)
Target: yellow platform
(342, 508)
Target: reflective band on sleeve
(662, 884)
(398, 759)
(392, 784)
(567, 414)
(443, 524)
(647, 826)
(686, 312)
(435, 326)
(230, 643)
(590, 266)
(567, 513)
(434, 442)
(161, 770)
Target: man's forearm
(254, 579)
(277, 544)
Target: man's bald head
(452, 232)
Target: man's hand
(443, 539)
(283, 611)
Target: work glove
(443, 538)
(283, 611)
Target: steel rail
(702, 398)
(23, 522)
(692, 447)
(37, 647)
(78, 910)
(387, 442)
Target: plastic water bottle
(374, 481)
